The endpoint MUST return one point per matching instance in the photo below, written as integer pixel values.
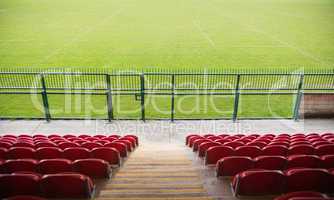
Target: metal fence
(142, 85)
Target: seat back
(300, 179)
(259, 182)
(17, 165)
(21, 153)
(49, 153)
(270, 162)
(66, 186)
(213, 154)
(19, 184)
(53, 166)
(94, 168)
(108, 154)
(74, 153)
(230, 166)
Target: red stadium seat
(213, 154)
(327, 149)
(75, 153)
(67, 186)
(17, 165)
(90, 145)
(108, 154)
(305, 161)
(64, 145)
(5, 144)
(193, 139)
(20, 153)
(198, 142)
(128, 144)
(99, 136)
(67, 136)
(213, 138)
(259, 182)
(48, 153)
(102, 142)
(327, 161)
(205, 146)
(270, 162)
(115, 136)
(45, 144)
(250, 151)
(190, 136)
(3, 153)
(83, 136)
(130, 139)
(230, 166)
(121, 148)
(300, 179)
(222, 141)
(19, 184)
(24, 197)
(275, 150)
(257, 143)
(94, 168)
(54, 136)
(234, 144)
(134, 137)
(300, 143)
(301, 149)
(53, 166)
(24, 144)
(290, 195)
(319, 143)
(310, 198)
(9, 136)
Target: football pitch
(164, 35)
(167, 33)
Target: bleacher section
(40, 165)
(271, 164)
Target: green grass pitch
(253, 35)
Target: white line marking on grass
(281, 42)
(289, 45)
(270, 36)
(203, 33)
(82, 32)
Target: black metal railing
(172, 85)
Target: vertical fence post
(298, 98)
(142, 94)
(236, 98)
(173, 98)
(45, 99)
(109, 99)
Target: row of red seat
(230, 166)
(94, 168)
(269, 182)
(214, 152)
(66, 185)
(265, 137)
(66, 136)
(262, 141)
(110, 154)
(303, 195)
(8, 142)
(67, 163)
(24, 197)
